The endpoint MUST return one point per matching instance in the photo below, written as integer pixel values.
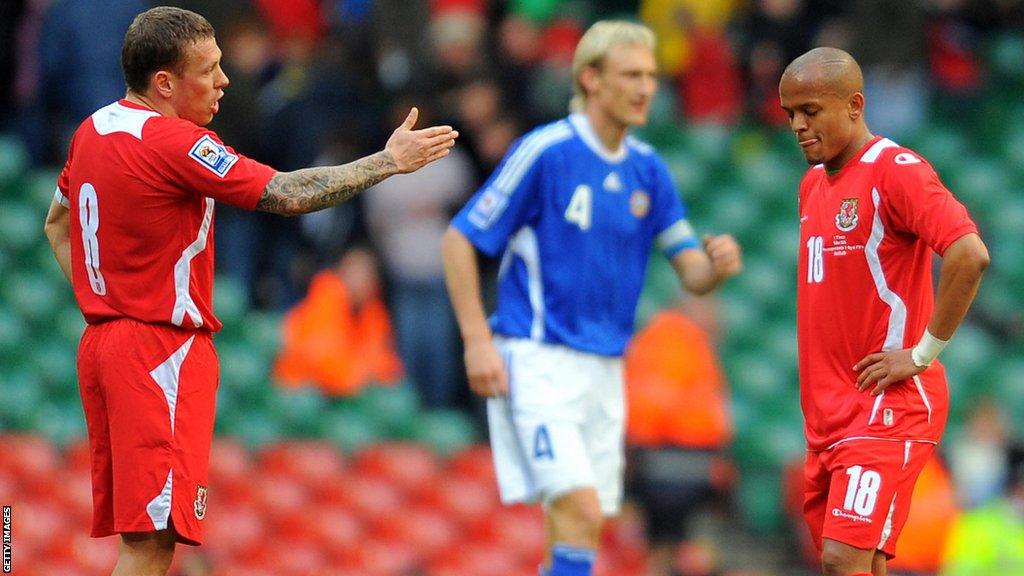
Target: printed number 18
(815, 260)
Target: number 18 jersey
(140, 188)
(867, 234)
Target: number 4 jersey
(141, 188)
(575, 223)
(867, 234)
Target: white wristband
(927, 349)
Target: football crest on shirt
(612, 183)
(488, 208)
(200, 503)
(212, 156)
(846, 219)
(639, 203)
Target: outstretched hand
(885, 368)
(413, 149)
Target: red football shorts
(149, 394)
(858, 493)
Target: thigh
(160, 386)
(548, 407)
(869, 491)
(817, 479)
(604, 429)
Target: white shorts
(561, 426)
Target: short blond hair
(594, 46)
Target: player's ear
(589, 78)
(161, 83)
(856, 105)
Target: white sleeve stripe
(876, 150)
(681, 231)
(527, 153)
(60, 198)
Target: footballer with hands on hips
(869, 323)
(574, 209)
(131, 226)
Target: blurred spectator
(693, 49)
(80, 56)
(933, 510)
(406, 216)
(954, 44)
(339, 336)
(979, 460)
(10, 13)
(679, 427)
(892, 56)
(989, 540)
(774, 33)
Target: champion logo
(855, 517)
(200, 504)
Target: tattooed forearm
(312, 189)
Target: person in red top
(131, 227)
(869, 328)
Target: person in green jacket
(989, 540)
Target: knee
(835, 562)
(580, 509)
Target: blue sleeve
(506, 200)
(672, 231)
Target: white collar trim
(582, 125)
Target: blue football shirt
(575, 224)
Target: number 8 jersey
(867, 234)
(140, 188)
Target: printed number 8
(89, 216)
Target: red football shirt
(141, 188)
(867, 234)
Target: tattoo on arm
(312, 189)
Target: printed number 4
(579, 209)
(89, 216)
(815, 260)
(862, 490)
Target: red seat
(369, 497)
(427, 530)
(474, 462)
(410, 467)
(311, 463)
(234, 530)
(279, 496)
(94, 555)
(468, 501)
(31, 459)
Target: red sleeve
(201, 164)
(921, 204)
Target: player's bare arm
(484, 367)
(57, 225)
(701, 271)
(963, 264)
(312, 189)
